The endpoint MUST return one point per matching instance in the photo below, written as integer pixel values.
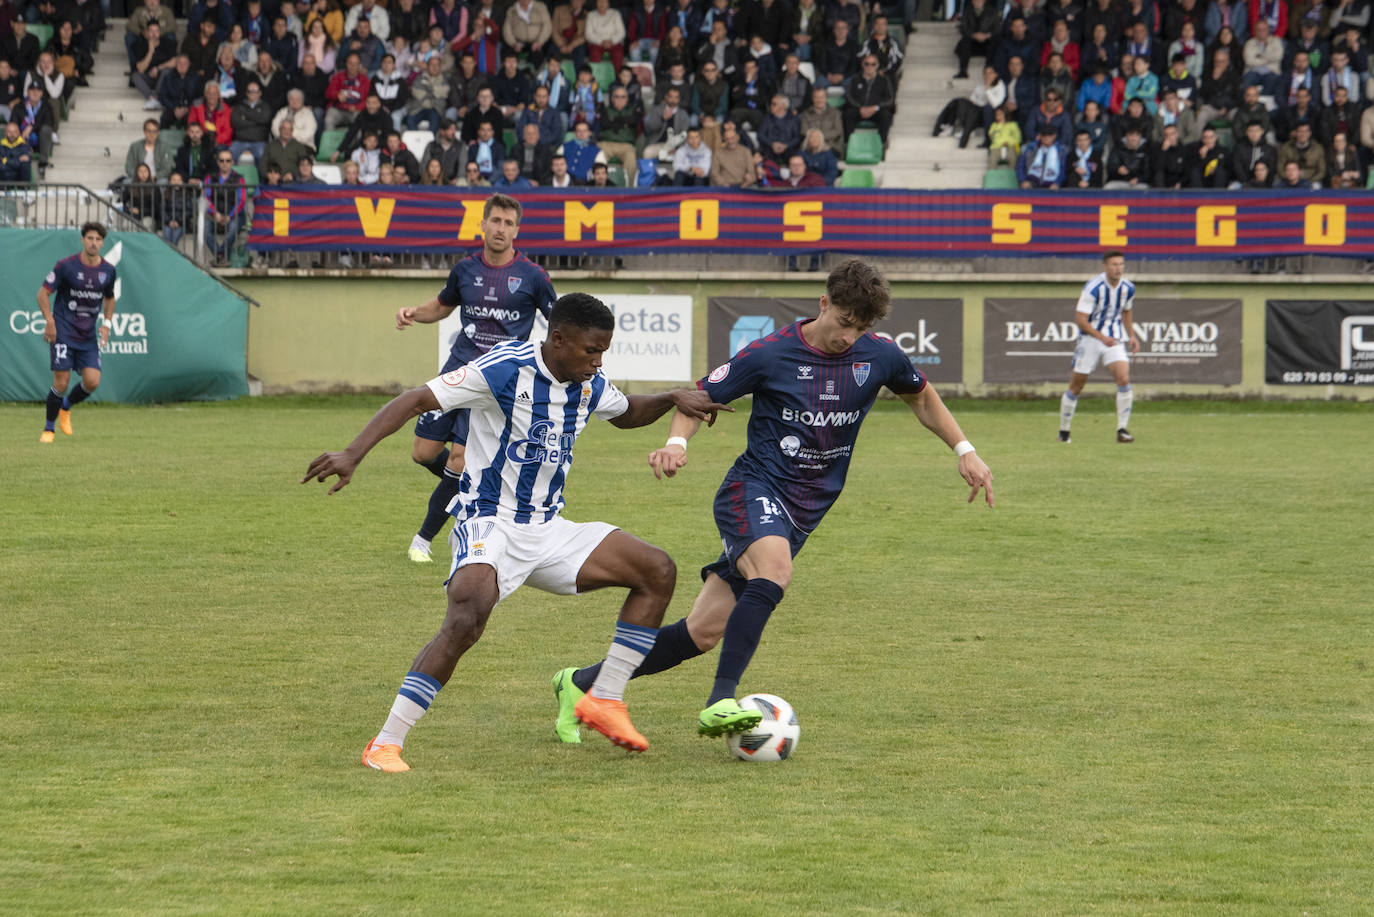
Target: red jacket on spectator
(648, 24)
(354, 88)
(1118, 103)
(1281, 29)
(216, 123)
(485, 49)
(1070, 55)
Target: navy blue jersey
(495, 304)
(81, 293)
(808, 406)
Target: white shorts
(1090, 351)
(546, 555)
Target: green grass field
(1141, 685)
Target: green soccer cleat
(727, 717)
(568, 695)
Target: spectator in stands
(154, 54)
(1105, 13)
(1135, 116)
(672, 52)
(710, 93)
(1004, 140)
(447, 150)
(213, 116)
(367, 46)
(352, 175)
(19, 47)
(886, 48)
(1274, 14)
(1297, 74)
(301, 117)
(1051, 113)
(645, 31)
(1085, 168)
(1340, 74)
(792, 83)
(429, 97)
(487, 150)
(962, 116)
(1235, 51)
(1142, 44)
(373, 14)
(798, 176)
(225, 198)
(806, 25)
(1340, 117)
(548, 121)
(1172, 111)
(394, 91)
(528, 29)
(570, 31)
(472, 177)
(1290, 178)
(1173, 161)
(1250, 109)
(16, 156)
(1235, 15)
(720, 50)
(464, 84)
(314, 86)
(251, 120)
(1143, 85)
(1094, 121)
(839, 57)
(870, 97)
(819, 157)
(11, 90)
(605, 31)
(1181, 14)
(559, 89)
(347, 94)
(1343, 166)
(1130, 165)
(451, 18)
(1017, 43)
(196, 156)
(1098, 50)
(368, 156)
(433, 173)
(1263, 58)
(227, 74)
(1302, 110)
(152, 151)
(285, 150)
(136, 25)
(600, 177)
(282, 46)
(512, 88)
(732, 165)
(1219, 91)
(178, 208)
(1186, 54)
(1096, 88)
(1210, 162)
(1022, 92)
(1307, 153)
(1061, 43)
(618, 131)
(534, 158)
(1054, 74)
(692, 162)
(177, 92)
(484, 110)
(1179, 79)
(139, 197)
(665, 125)
(56, 87)
(372, 120)
(1043, 164)
(580, 153)
(626, 77)
(305, 172)
(1251, 149)
(218, 13)
(585, 99)
(780, 132)
(1311, 43)
(244, 52)
(320, 45)
(510, 180)
(394, 151)
(1260, 178)
(822, 117)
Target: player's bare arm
(49, 328)
(1085, 326)
(395, 414)
(930, 410)
(425, 314)
(108, 308)
(645, 409)
(1130, 330)
(668, 459)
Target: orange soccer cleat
(64, 422)
(384, 758)
(612, 720)
(46, 436)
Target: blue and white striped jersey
(1104, 305)
(523, 426)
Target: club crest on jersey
(513, 283)
(805, 371)
(103, 277)
(586, 395)
(861, 372)
(720, 372)
(456, 377)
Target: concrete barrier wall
(337, 333)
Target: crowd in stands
(1169, 93)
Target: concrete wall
(337, 333)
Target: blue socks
(436, 465)
(76, 396)
(54, 405)
(742, 635)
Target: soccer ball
(776, 735)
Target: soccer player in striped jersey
(498, 292)
(84, 284)
(1104, 320)
(813, 383)
(528, 404)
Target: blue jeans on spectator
(220, 245)
(424, 114)
(173, 234)
(1269, 83)
(237, 148)
(646, 49)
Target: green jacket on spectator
(163, 155)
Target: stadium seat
(643, 72)
(865, 148)
(835, 100)
(249, 173)
(1369, 182)
(615, 174)
(570, 135)
(416, 141)
(42, 32)
(329, 142)
(1226, 138)
(808, 70)
(603, 72)
(855, 178)
(329, 173)
(569, 71)
(999, 180)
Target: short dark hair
(1108, 256)
(581, 310)
(97, 228)
(505, 202)
(860, 289)
(152, 121)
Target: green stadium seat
(42, 32)
(329, 142)
(835, 100)
(1226, 138)
(172, 138)
(249, 173)
(865, 148)
(570, 135)
(855, 178)
(615, 175)
(1369, 182)
(1000, 180)
(508, 138)
(570, 72)
(604, 73)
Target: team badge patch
(456, 377)
(861, 372)
(103, 277)
(513, 283)
(720, 372)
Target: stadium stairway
(914, 158)
(108, 116)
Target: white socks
(1124, 397)
(1067, 404)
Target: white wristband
(963, 447)
(676, 441)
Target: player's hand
(1108, 340)
(667, 461)
(104, 335)
(50, 332)
(405, 317)
(330, 463)
(978, 476)
(698, 405)
(1135, 344)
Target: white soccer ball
(776, 735)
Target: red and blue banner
(895, 223)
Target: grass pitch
(1141, 685)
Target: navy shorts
(746, 510)
(64, 356)
(441, 427)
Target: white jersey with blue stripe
(1104, 304)
(522, 429)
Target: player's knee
(455, 460)
(658, 574)
(462, 627)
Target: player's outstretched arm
(645, 409)
(668, 459)
(930, 410)
(393, 415)
(425, 314)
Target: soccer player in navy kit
(813, 382)
(499, 291)
(84, 284)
